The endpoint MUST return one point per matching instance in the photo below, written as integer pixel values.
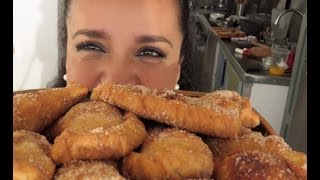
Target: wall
(35, 43)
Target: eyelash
(150, 52)
(89, 46)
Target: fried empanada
(171, 108)
(34, 111)
(250, 140)
(86, 116)
(30, 156)
(254, 165)
(170, 154)
(98, 142)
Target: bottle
(266, 62)
(291, 56)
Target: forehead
(149, 15)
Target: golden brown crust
(170, 154)
(172, 109)
(90, 169)
(30, 156)
(99, 143)
(85, 116)
(34, 111)
(232, 100)
(254, 165)
(249, 140)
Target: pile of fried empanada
(134, 132)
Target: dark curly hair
(185, 52)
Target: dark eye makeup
(90, 46)
(151, 52)
(144, 52)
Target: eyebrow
(153, 39)
(99, 34)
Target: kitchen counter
(206, 11)
(250, 70)
(203, 11)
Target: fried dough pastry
(249, 140)
(169, 154)
(86, 116)
(77, 169)
(232, 100)
(30, 156)
(170, 108)
(99, 143)
(254, 165)
(34, 111)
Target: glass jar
(279, 57)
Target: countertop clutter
(250, 69)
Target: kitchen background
(279, 99)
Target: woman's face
(124, 41)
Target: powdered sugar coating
(86, 116)
(232, 100)
(90, 169)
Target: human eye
(151, 52)
(90, 46)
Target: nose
(121, 73)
